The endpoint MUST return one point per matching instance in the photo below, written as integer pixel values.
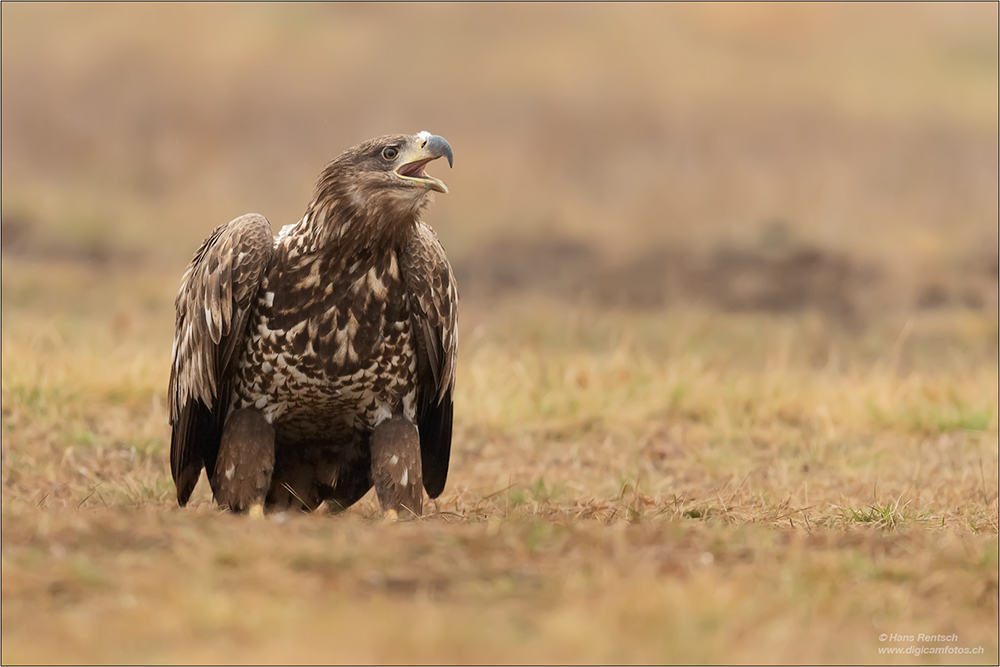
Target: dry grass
(633, 494)
(681, 480)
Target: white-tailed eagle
(309, 366)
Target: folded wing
(434, 318)
(213, 307)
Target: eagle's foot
(396, 470)
(245, 465)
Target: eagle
(309, 366)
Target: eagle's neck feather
(348, 225)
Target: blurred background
(725, 270)
(772, 157)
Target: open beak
(424, 148)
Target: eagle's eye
(390, 152)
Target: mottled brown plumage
(341, 327)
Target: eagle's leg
(396, 471)
(246, 462)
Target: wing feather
(212, 307)
(434, 313)
(226, 297)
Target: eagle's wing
(213, 305)
(434, 319)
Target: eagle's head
(383, 181)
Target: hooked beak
(422, 149)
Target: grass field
(727, 385)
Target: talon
(256, 511)
(390, 516)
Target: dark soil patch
(787, 278)
(20, 238)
